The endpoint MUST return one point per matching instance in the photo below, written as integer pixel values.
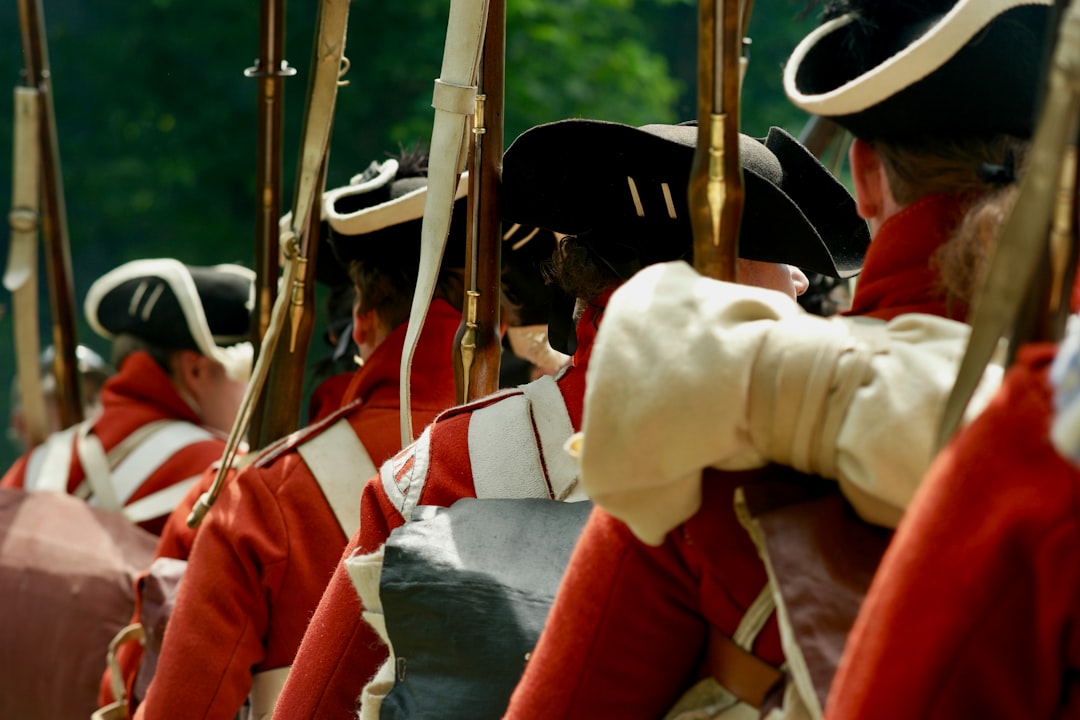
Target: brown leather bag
(823, 558)
(67, 573)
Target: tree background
(156, 120)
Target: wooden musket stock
(54, 217)
(283, 363)
(1023, 244)
(478, 347)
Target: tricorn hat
(380, 212)
(626, 187)
(328, 269)
(897, 68)
(526, 250)
(175, 306)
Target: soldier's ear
(188, 367)
(365, 327)
(867, 173)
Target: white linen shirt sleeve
(688, 373)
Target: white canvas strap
(757, 615)
(341, 466)
(151, 452)
(795, 662)
(453, 100)
(49, 466)
(95, 465)
(113, 477)
(266, 688)
(162, 502)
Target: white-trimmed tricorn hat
(380, 212)
(623, 191)
(175, 306)
(900, 68)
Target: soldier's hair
(962, 261)
(920, 166)
(387, 287)
(579, 272)
(124, 345)
(385, 276)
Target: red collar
(587, 325)
(142, 380)
(432, 370)
(897, 276)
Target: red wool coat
(626, 634)
(177, 537)
(266, 549)
(340, 652)
(975, 610)
(647, 612)
(139, 394)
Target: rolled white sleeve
(688, 373)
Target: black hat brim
(376, 220)
(173, 306)
(578, 176)
(974, 70)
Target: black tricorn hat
(175, 306)
(526, 250)
(380, 212)
(328, 269)
(898, 68)
(626, 188)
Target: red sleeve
(16, 474)
(176, 537)
(215, 635)
(625, 635)
(973, 611)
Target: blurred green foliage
(157, 121)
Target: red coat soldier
(626, 209)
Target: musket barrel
(54, 217)
(269, 71)
(280, 404)
(716, 189)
